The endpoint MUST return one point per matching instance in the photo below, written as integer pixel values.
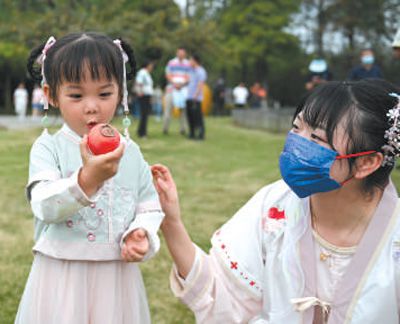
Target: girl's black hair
(70, 55)
(362, 107)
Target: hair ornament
(391, 150)
(50, 42)
(126, 121)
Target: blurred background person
(318, 74)
(367, 68)
(157, 103)
(240, 95)
(219, 97)
(144, 91)
(21, 101)
(177, 74)
(396, 45)
(37, 102)
(257, 95)
(198, 77)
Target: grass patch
(214, 178)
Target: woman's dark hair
(70, 55)
(362, 106)
(146, 63)
(196, 57)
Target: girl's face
(340, 168)
(85, 104)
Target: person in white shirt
(144, 91)
(21, 101)
(240, 95)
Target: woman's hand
(167, 192)
(178, 241)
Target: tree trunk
(261, 70)
(244, 71)
(8, 103)
(320, 28)
(187, 8)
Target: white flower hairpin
(391, 150)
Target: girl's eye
(105, 94)
(75, 96)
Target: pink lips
(91, 125)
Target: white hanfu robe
(262, 267)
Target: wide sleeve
(148, 213)
(226, 286)
(396, 260)
(53, 198)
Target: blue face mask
(367, 59)
(305, 165)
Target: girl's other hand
(167, 192)
(97, 168)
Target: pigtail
(35, 72)
(130, 75)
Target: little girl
(93, 214)
(320, 246)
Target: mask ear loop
(349, 156)
(41, 59)
(126, 122)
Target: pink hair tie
(50, 42)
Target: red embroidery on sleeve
(234, 265)
(275, 213)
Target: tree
(26, 23)
(256, 40)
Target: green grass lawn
(214, 178)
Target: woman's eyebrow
(321, 128)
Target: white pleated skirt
(83, 292)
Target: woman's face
(340, 170)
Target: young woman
(320, 246)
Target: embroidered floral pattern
(96, 216)
(275, 213)
(235, 266)
(273, 220)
